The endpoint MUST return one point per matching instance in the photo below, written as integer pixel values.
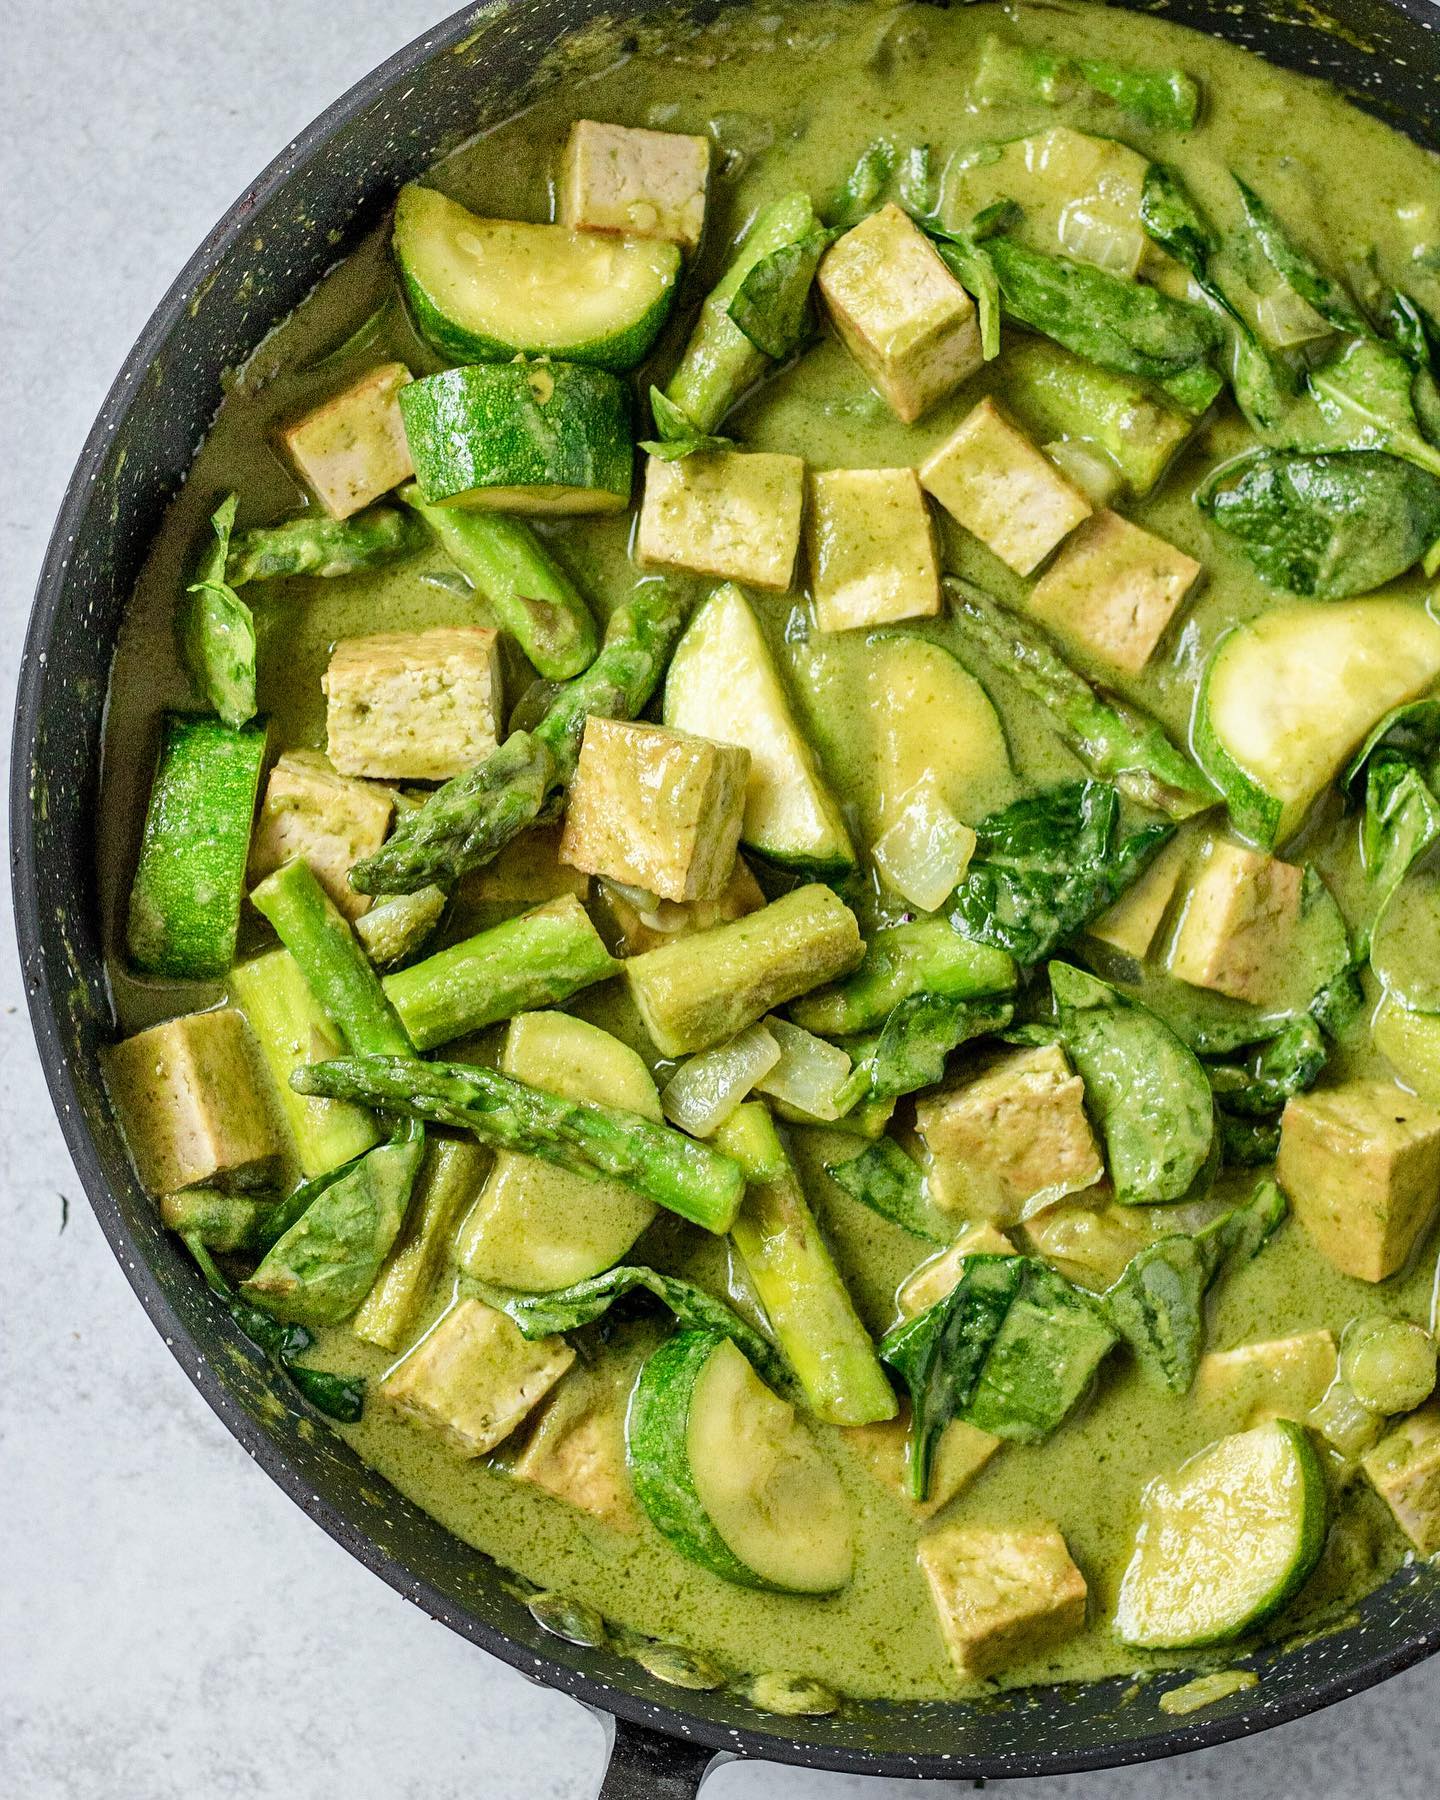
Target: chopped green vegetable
(917, 1039)
(314, 544)
(1295, 268)
(1009, 73)
(772, 305)
(891, 1183)
(926, 957)
(217, 629)
(678, 436)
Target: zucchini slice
(723, 684)
(185, 904)
(1225, 1542)
(1286, 698)
(730, 1476)
(490, 289)
(521, 437)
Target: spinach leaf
(1158, 1304)
(568, 1309)
(888, 1181)
(1295, 268)
(1165, 99)
(1405, 941)
(1048, 864)
(1366, 394)
(920, 1034)
(1147, 1091)
(217, 629)
(917, 185)
(772, 305)
(1248, 1143)
(968, 260)
(322, 1268)
(863, 187)
(678, 434)
(1044, 1357)
(1325, 526)
(1287, 1064)
(1115, 741)
(339, 1397)
(1119, 324)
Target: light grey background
(169, 1623)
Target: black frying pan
(331, 185)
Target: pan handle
(646, 1765)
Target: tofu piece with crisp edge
(474, 1377)
(353, 448)
(1238, 922)
(621, 178)
(192, 1102)
(937, 1275)
(655, 808)
(331, 820)
(1113, 590)
(1280, 1378)
(1130, 924)
(991, 479)
(1360, 1164)
(577, 1450)
(731, 514)
(872, 549)
(1404, 1469)
(1008, 1135)
(900, 312)
(413, 705)
(1002, 1597)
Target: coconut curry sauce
(1166, 978)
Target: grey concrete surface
(169, 1624)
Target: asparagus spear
(217, 629)
(396, 927)
(463, 824)
(533, 598)
(447, 1184)
(926, 957)
(317, 545)
(674, 1171)
(1115, 741)
(544, 956)
(794, 1275)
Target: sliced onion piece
(924, 852)
(810, 1074)
(703, 1092)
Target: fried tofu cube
(353, 448)
(961, 1452)
(1113, 590)
(474, 1377)
(872, 549)
(731, 514)
(1282, 1378)
(1404, 1469)
(331, 820)
(935, 1278)
(577, 1449)
(1129, 925)
(1238, 922)
(900, 312)
(192, 1102)
(636, 930)
(992, 479)
(1360, 1164)
(656, 808)
(1005, 1136)
(1002, 1597)
(648, 184)
(413, 705)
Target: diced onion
(1286, 320)
(1110, 242)
(809, 1074)
(1088, 467)
(925, 851)
(703, 1092)
(1389, 1364)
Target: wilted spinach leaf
(678, 435)
(920, 1034)
(217, 629)
(888, 1181)
(772, 305)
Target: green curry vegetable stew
(770, 850)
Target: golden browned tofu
(474, 1377)
(191, 1098)
(961, 1452)
(1282, 1378)
(1113, 590)
(577, 1449)
(637, 930)
(1002, 1597)
(656, 808)
(1360, 1164)
(353, 448)
(413, 705)
(1129, 925)
(1238, 922)
(620, 178)
(872, 549)
(527, 871)
(1008, 1135)
(731, 514)
(1404, 1469)
(331, 820)
(992, 479)
(933, 1280)
(900, 312)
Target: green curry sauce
(792, 97)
